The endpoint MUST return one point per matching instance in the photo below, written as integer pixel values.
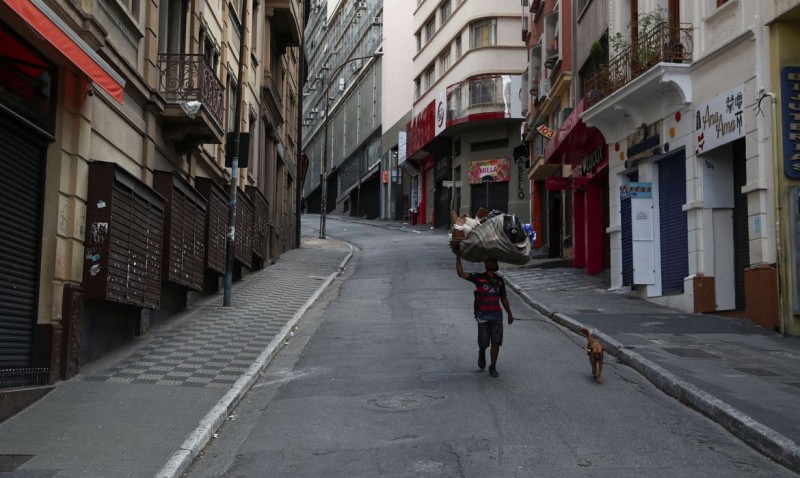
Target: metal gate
(673, 227)
(741, 243)
(22, 161)
(497, 194)
(626, 223)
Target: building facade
(342, 107)
(467, 112)
(700, 173)
(120, 117)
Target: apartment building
(467, 113)
(118, 116)
(342, 107)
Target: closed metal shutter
(673, 228)
(627, 236)
(627, 242)
(741, 244)
(498, 197)
(20, 218)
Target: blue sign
(636, 190)
(790, 106)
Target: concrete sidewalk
(149, 409)
(740, 375)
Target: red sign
(385, 176)
(556, 184)
(545, 131)
(421, 130)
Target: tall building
(467, 113)
(114, 203)
(342, 107)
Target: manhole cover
(690, 353)
(409, 400)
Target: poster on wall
(790, 111)
(720, 120)
(498, 169)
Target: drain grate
(760, 372)
(690, 353)
(12, 462)
(409, 400)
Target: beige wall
(398, 48)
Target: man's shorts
(490, 331)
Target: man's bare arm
(507, 306)
(460, 268)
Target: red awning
(47, 24)
(573, 140)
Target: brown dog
(596, 353)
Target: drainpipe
(766, 172)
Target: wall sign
(636, 190)
(557, 184)
(545, 131)
(645, 142)
(790, 107)
(441, 113)
(590, 162)
(720, 120)
(498, 169)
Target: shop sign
(590, 162)
(441, 113)
(556, 184)
(498, 169)
(790, 106)
(645, 142)
(520, 177)
(545, 131)
(401, 147)
(720, 120)
(636, 190)
(385, 176)
(443, 166)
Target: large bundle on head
(499, 236)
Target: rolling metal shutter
(20, 220)
(627, 242)
(627, 236)
(673, 227)
(741, 244)
(498, 197)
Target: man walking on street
(490, 292)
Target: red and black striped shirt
(488, 292)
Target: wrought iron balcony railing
(663, 44)
(184, 77)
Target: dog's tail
(586, 332)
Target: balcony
(195, 101)
(654, 71)
(273, 103)
(285, 23)
(664, 44)
(480, 98)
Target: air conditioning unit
(356, 65)
(342, 84)
(361, 5)
(315, 110)
(544, 88)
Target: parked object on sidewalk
(491, 238)
(596, 354)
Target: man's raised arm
(460, 268)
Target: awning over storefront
(57, 34)
(573, 140)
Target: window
(231, 102)
(459, 51)
(484, 33)
(132, 7)
(419, 41)
(417, 89)
(429, 77)
(446, 9)
(444, 60)
(430, 29)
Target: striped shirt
(488, 292)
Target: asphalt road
(381, 379)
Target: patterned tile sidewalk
(127, 415)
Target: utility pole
(230, 240)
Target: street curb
(765, 440)
(197, 440)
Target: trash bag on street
(490, 240)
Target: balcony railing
(663, 44)
(184, 77)
(479, 95)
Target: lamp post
(324, 184)
(230, 240)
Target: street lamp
(324, 184)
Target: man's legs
(483, 344)
(497, 340)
